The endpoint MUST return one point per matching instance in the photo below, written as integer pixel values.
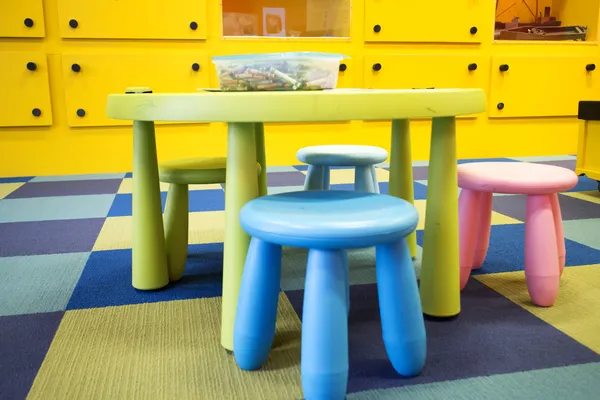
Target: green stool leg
(149, 259)
(440, 273)
(261, 157)
(176, 229)
(241, 186)
(401, 173)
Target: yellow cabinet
(24, 90)
(542, 86)
(89, 79)
(425, 71)
(22, 18)
(456, 21)
(129, 19)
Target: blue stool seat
(328, 223)
(342, 155)
(362, 158)
(329, 219)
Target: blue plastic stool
(328, 223)
(362, 158)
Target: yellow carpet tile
(205, 227)
(592, 196)
(167, 350)
(497, 218)
(8, 188)
(576, 311)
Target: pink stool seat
(515, 178)
(544, 238)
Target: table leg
(149, 259)
(241, 186)
(440, 275)
(401, 173)
(261, 157)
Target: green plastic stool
(179, 174)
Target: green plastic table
(245, 113)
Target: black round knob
(196, 67)
(376, 67)
(473, 30)
(75, 67)
(503, 68)
(500, 106)
(73, 23)
(31, 66)
(193, 25)
(28, 22)
(472, 67)
(36, 112)
(590, 67)
(377, 28)
(343, 67)
(81, 112)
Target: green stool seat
(179, 174)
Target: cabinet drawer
(89, 79)
(529, 86)
(348, 72)
(425, 71)
(123, 19)
(22, 18)
(25, 93)
(413, 21)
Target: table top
(310, 106)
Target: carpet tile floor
(72, 326)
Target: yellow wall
(539, 118)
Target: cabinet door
(22, 18)
(348, 73)
(89, 79)
(24, 90)
(131, 19)
(456, 21)
(425, 71)
(542, 86)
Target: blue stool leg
(347, 279)
(375, 181)
(400, 307)
(326, 177)
(256, 313)
(363, 179)
(314, 178)
(324, 362)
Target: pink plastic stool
(544, 237)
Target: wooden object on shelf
(546, 33)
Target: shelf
(535, 21)
(286, 18)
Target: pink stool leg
(483, 235)
(560, 235)
(541, 255)
(468, 215)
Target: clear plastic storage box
(278, 71)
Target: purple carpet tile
(420, 173)
(568, 164)
(66, 188)
(285, 179)
(24, 341)
(491, 335)
(49, 237)
(571, 208)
